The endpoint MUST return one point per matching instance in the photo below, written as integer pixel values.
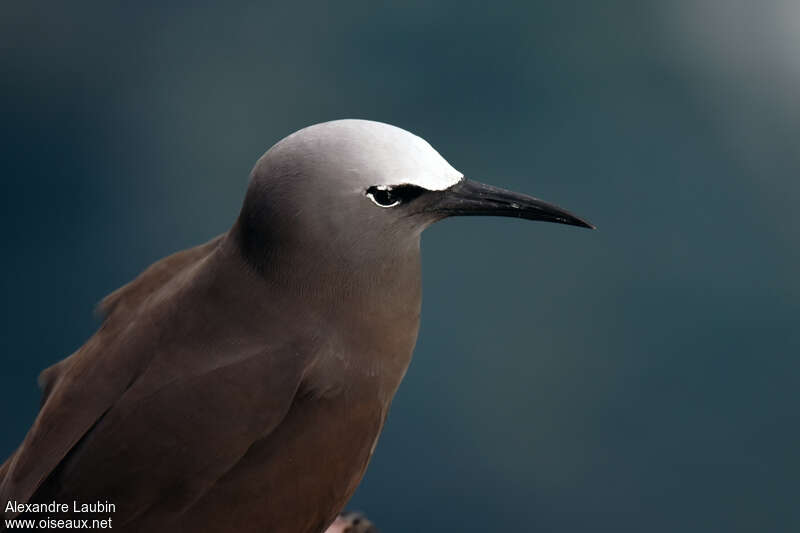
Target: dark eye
(390, 196)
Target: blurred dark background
(643, 377)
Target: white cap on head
(371, 153)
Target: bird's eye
(383, 196)
(390, 196)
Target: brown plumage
(174, 383)
(241, 385)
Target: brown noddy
(241, 385)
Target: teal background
(643, 377)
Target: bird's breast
(299, 477)
(367, 358)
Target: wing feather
(149, 369)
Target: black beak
(472, 198)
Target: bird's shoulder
(121, 304)
(155, 277)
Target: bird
(241, 385)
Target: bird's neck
(332, 273)
(373, 303)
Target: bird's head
(359, 190)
